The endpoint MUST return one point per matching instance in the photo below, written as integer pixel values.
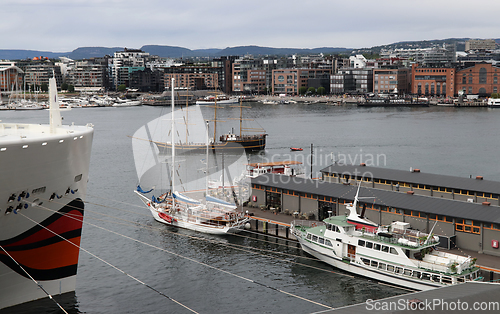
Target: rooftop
(425, 204)
(470, 184)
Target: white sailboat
(213, 216)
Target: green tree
(302, 90)
(44, 87)
(321, 90)
(64, 86)
(122, 87)
(311, 91)
(71, 88)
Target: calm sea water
(237, 274)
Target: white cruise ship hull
(43, 181)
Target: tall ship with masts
(225, 142)
(44, 173)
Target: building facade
(11, 77)
(481, 79)
(289, 81)
(480, 44)
(388, 80)
(433, 81)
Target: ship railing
(411, 240)
(299, 227)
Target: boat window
(366, 261)
(321, 241)
(417, 274)
(385, 249)
(377, 246)
(327, 242)
(436, 278)
(399, 270)
(374, 264)
(329, 226)
(460, 279)
(446, 280)
(315, 238)
(309, 236)
(361, 242)
(390, 268)
(369, 245)
(407, 272)
(426, 276)
(382, 266)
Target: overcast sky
(64, 25)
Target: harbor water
(129, 263)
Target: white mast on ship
(173, 147)
(55, 113)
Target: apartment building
(480, 44)
(85, 75)
(225, 72)
(289, 81)
(192, 77)
(387, 80)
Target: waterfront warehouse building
(460, 222)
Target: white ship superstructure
(43, 181)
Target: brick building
(480, 79)
(433, 81)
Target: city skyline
(62, 26)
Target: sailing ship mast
(173, 147)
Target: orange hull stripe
(52, 256)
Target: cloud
(62, 25)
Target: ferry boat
(393, 102)
(494, 102)
(290, 168)
(218, 99)
(394, 254)
(43, 183)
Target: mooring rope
(33, 279)
(187, 258)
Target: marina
(168, 259)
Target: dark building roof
(440, 300)
(469, 184)
(425, 204)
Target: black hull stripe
(52, 240)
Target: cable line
(33, 279)
(105, 262)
